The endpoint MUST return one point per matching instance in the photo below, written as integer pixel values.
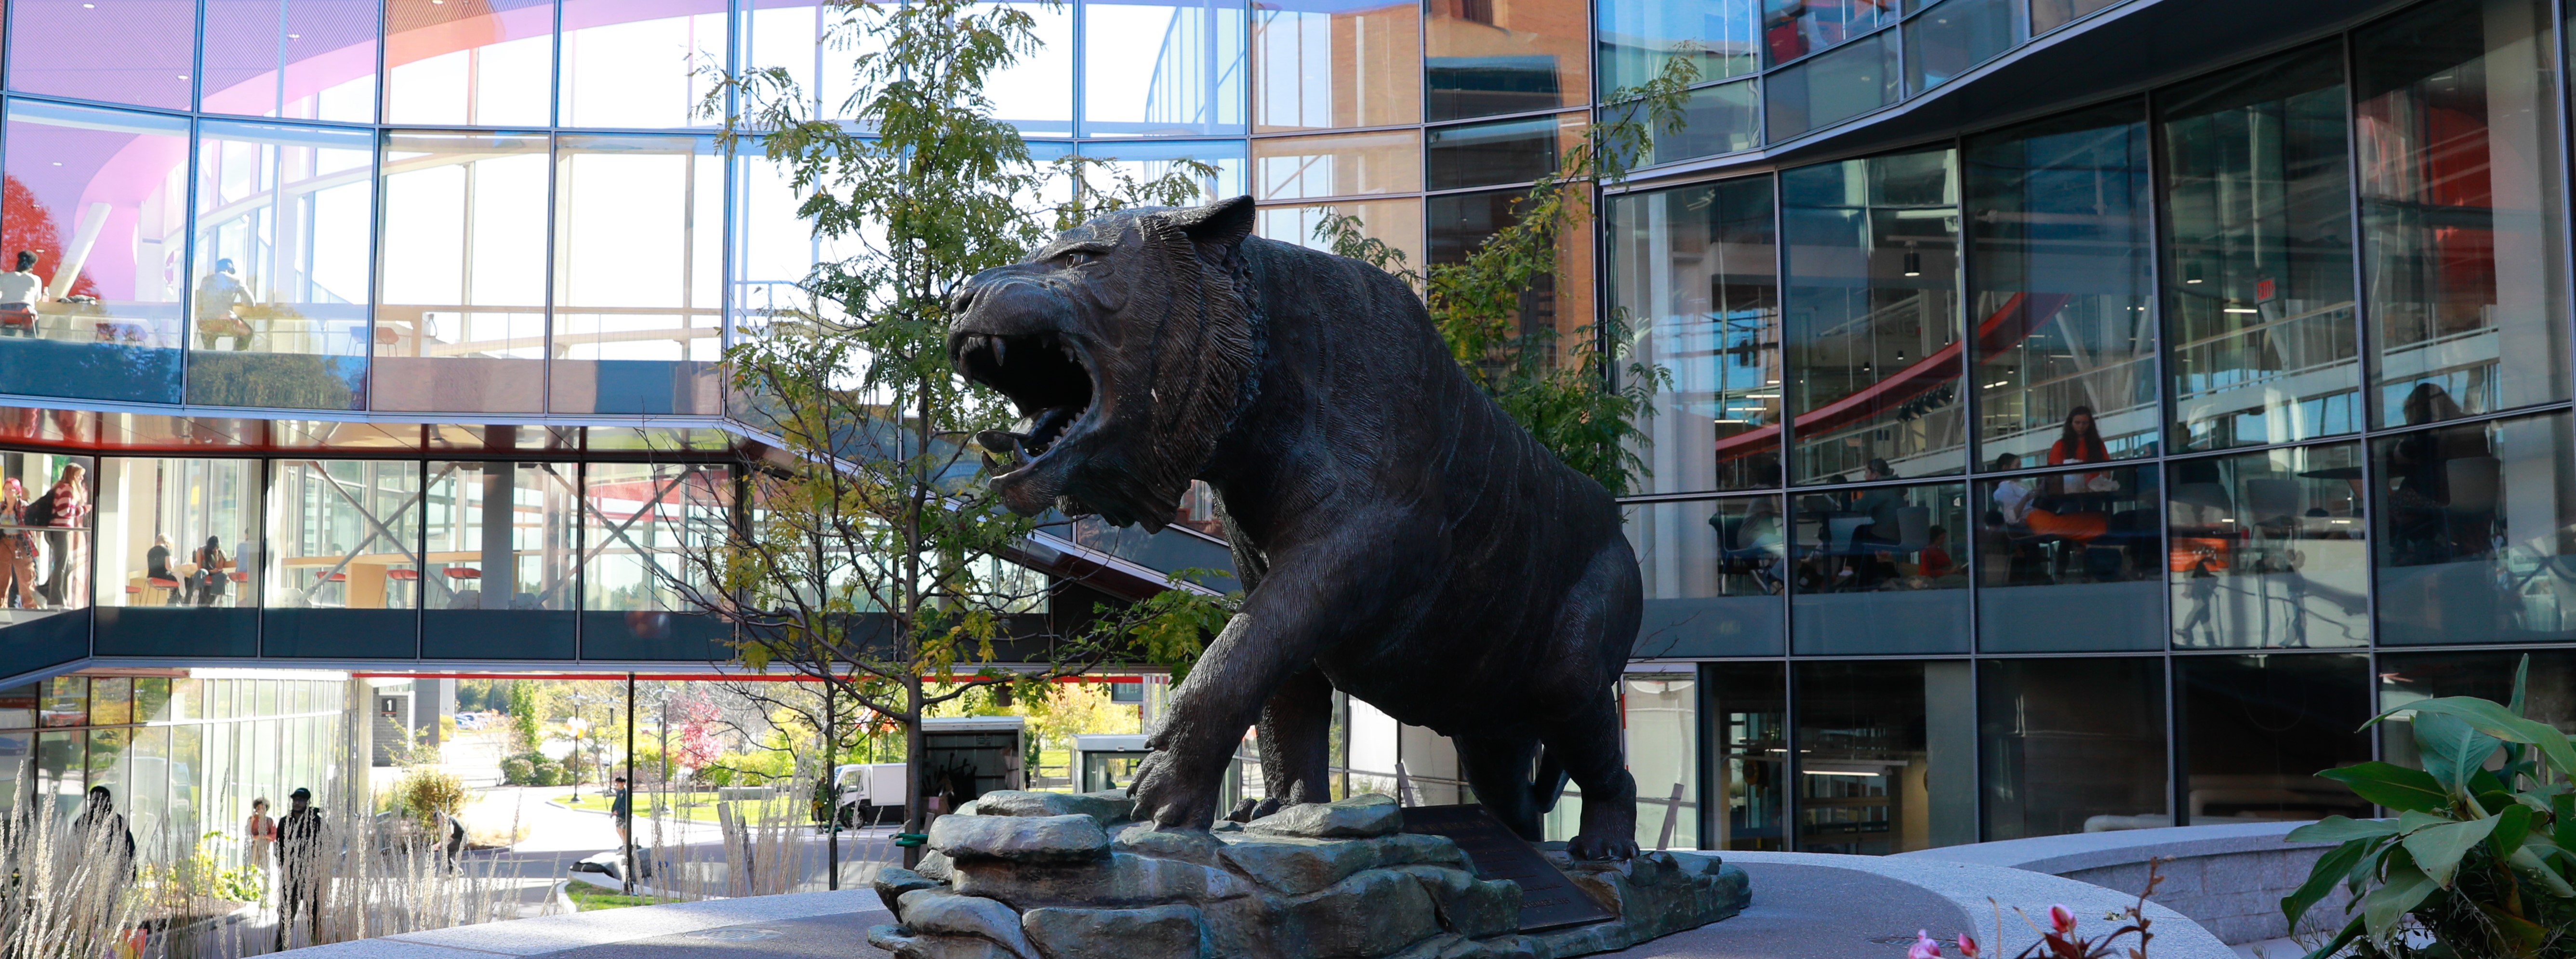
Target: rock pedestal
(1024, 875)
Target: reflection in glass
(1321, 64)
(1488, 57)
(2047, 15)
(1637, 37)
(2258, 262)
(1880, 570)
(2477, 532)
(1954, 37)
(2266, 549)
(1724, 118)
(2057, 214)
(95, 196)
(2072, 745)
(281, 279)
(637, 518)
(638, 65)
(1713, 572)
(1486, 154)
(2460, 193)
(462, 325)
(774, 249)
(1694, 274)
(2070, 562)
(638, 322)
(1749, 718)
(179, 532)
(1351, 164)
(1397, 223)
(139, 51)
(1661, 713)
(2255, 729)
(1163, 68)
(1148, 160)
(2548, 690)
(1886, 758)
(1560, 305)
(291, 59)
(1795, 28)
(1873, 318)
(500, 539)
(1831, 89)
(484, 63)
(47, 510)
(344, 534)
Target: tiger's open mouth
(1047, 381)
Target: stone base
(1020, 875)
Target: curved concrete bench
(1979, 892)
(2228, 878)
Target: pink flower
(1924, 947)
(1967, 946)
(2062, 918)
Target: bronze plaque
(1548, 899)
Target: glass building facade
(2031, 460)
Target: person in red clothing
(2079, 442)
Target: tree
(867, 554)
(1563, 392)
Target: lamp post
(576, 724)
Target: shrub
(516, 771)
(717, 776)
(2479, 859)
(424, 791)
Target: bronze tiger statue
(1401, 539)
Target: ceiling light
(2242, 309)
(1913, 263)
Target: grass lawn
(692, 806)
(587, 897)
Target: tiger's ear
(1221, 225)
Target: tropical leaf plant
(2479, 859)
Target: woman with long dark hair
(2080, 441)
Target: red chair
(330, 577)
(240, 577)
(403, 575)
(462, 572)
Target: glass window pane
(1488, 57)
(1721, 119)
(66, 702)
(1831, 89)
(139, 52)
(19, 705)
(1713, 572)
(2266, 549)
(111, 701)
(1795, 28)
(1356, 164)
(1163, 67)
(2058, 222)
(637, 65)
(2549, 690)
(62, 771)
(2460, 191)
(1877, 572)
(2072, 745)
(461, 325)
(2047, 15)
(97, 196)
(639, 522)
(2255, 730)
(1661, 715)
(282, 275)
(1035, 93)
(2258, 262)
(1873, 318)
(485, 63)
(1320, 64)
(1485, 154)
(1637, 37)
(1954, 37)
(1748, 707)
(291, 59)
(1397, 223)
(1461, 222)
(47, 505)
(179, 533)
(1147, 160)
(2477, 533)
(1883, 750)
(2070, 562)
(638, 318)
(1694, 273)
(500, 536)
(345, 534)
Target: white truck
(871, 793)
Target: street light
(576, 724)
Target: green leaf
(2563, 815)
(2342, 829)
(2401, 890)
(2451, 749)
(2527, 862)
(2521, 676)
(2329, 869)
(2393, 786)
(2351, 931)
(2512, 825)
(2496, 721)
(2437, 849)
